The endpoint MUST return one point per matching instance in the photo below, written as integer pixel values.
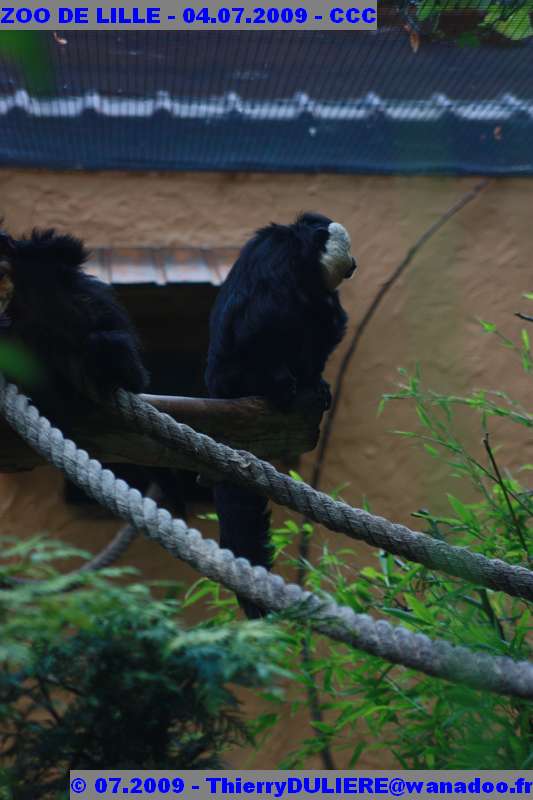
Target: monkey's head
(33, 267)
(330, 242)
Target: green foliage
(17, 363)
(113, 678)
(28, 50)
(368, 705)
(106, 676)
(469, 22)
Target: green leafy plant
(470, 22)
(368, 705)
(107, 676)
(18, 364)
(125, 654)
(29, 51)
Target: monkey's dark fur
(272, 328)
(70, 322)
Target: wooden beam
(246, 424)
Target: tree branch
(526, 317)
(514, 518)
(245, 424)
(369, 315)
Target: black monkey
(71, 323)
(276, 320)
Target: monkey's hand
(283, 389)
(111, 361)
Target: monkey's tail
(244, 521)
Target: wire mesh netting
(381, 101)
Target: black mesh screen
(289, 100)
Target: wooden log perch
(245, 424)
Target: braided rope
(393, 643)
(247, 470)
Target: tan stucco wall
(476, 266)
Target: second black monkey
(70, 323)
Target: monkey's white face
(337, 261)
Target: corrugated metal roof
(310, 101)
(161, 266)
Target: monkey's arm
(110, 353)
(112, 361)
(264, 340)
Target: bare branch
(246, 424)
(369, 315)
(516, 521)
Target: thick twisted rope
(393, 643)
(247, 470)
